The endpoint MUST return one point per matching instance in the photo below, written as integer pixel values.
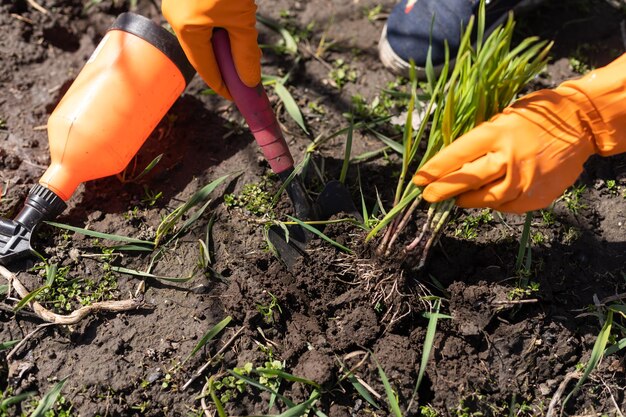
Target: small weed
(342, 74)
(141, 407)
(538, 238)
(268, 311)
(131, 214)
(571, 234)
(230, 387)
(579, 61)
(64, 292)
(612, 186)
(316, 107)
(572, 199)
(254, 198)
(167, 381)
(468, 229)
(548, 217)
(62, 408)
(373, 13)
(520, 293)
(150, 197)
(427, 411)
(3, 124)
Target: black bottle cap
(158, 36)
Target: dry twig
(76, 315)
(38, 7)
(559, 392)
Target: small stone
(74, 255)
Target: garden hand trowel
(255, 107)
(136, 73)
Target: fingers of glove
(493, 195)
(470, 176)
(469, 147)
(196, 42)
(246, 54)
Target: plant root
(75, 316)
(382, 287)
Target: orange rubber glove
(194, 20)
(525, 157)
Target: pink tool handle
(254, 106)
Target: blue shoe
(407, 33)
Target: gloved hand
(194, 20)
(525, 157)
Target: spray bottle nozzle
(15, 235)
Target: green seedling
(374, 13)
(316, 107)
(253, 198)
(433, 317)
(523, 292)
(572, 198)
(63, 293)
(612, 186)
(269, 310)
(150, 197)
(208, 336)
(392, 397)
(548, 217)
(170, 222)
(342, 73)
(346, 158)
(48, 401)
(128, 175)
(468, 229)
(524, 253)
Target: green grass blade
(16, 399)
(596, 354)
(149, 168)
(142, 274)
(287, 376)
(218, 404)
(214, 331)
(320, 234)
(4, 289)
(388, 141)
(99, 235)
(615, 348)
(524, 241)
(431, 330)
(362, 391)
(29, 297)
(347, 153)
(51, 273)
(291, 45)
(262, 387)
(393, 212)
(364, 212)
(392, 399)
(191, 220)
(300, 409)
(8, 344)
(48, 401)
(290, 105)
(171, 219)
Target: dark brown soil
(492, 354)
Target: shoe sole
(399, 66)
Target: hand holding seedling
(525, 157)
(194, 23)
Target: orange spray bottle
(128, 84)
